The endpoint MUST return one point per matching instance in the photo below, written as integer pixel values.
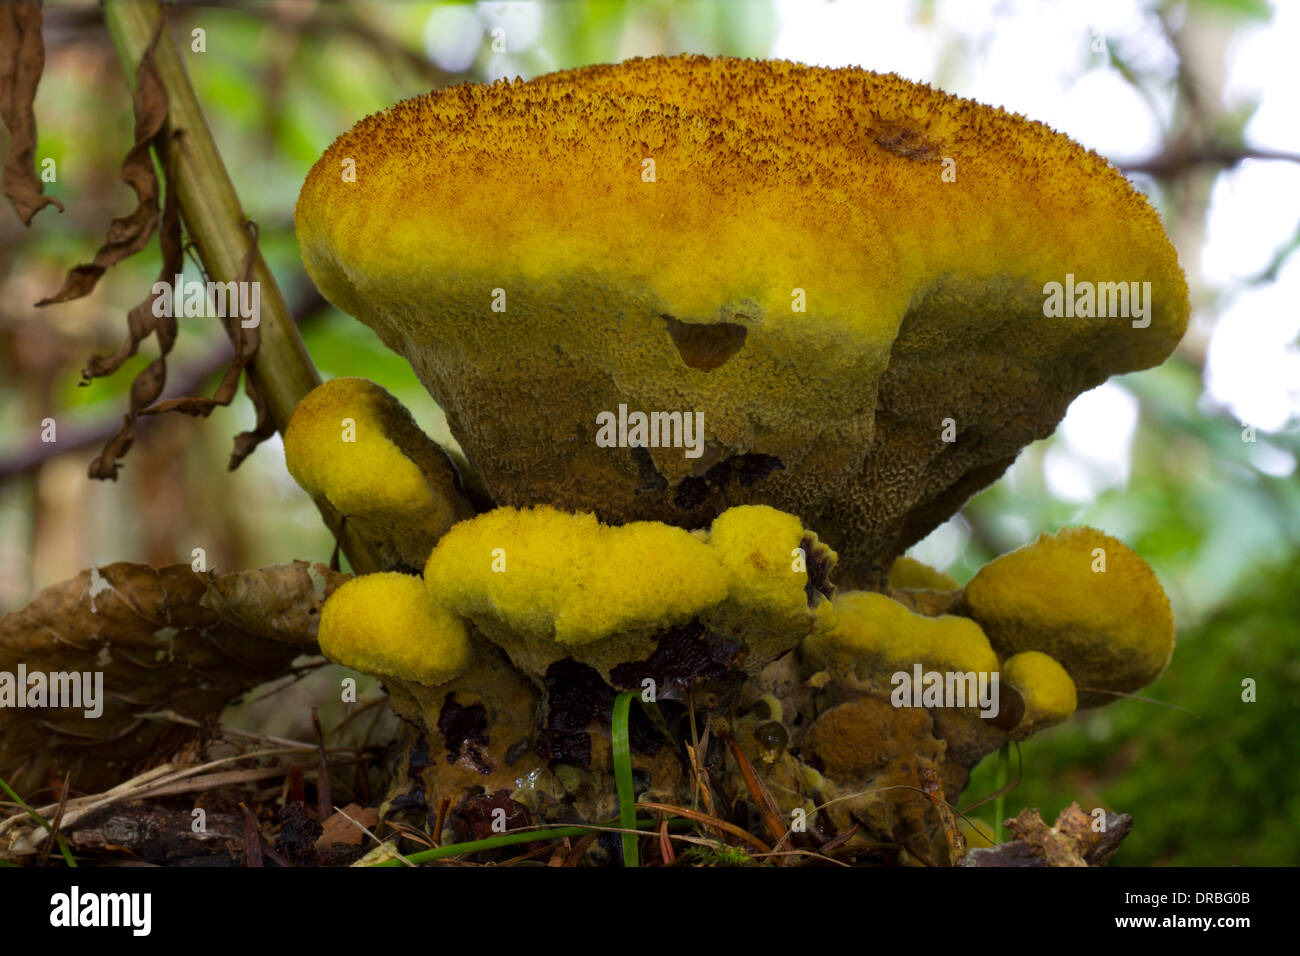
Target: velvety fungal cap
(386, 624)
(797, 271)
(571, 578)
(874, 634)
(1044, 686)
(352, 443)
(757, 546)
(1110, 629)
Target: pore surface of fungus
(773, 247)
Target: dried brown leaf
(22, 60)
(281, 602)
(128, 234)
(1054, 848)
(141, 322)
(158, 647)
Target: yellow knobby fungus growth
(350, 442)
(1084, 598)
(875, 636)
(548, 574)
(907, 572)
(1045, 688)
(547, 584)
(777, 572)
(386, 624)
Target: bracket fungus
(506, 240)
(851, 342)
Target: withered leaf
(22, 60)
(1071, 842)
(141, 322)
(1056, 849)
(159, 646)
(128, 234)
(281, 602)
(246, 341)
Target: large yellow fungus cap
(351, 442)
(1086, 600)
(875, 636)
(845, 274)
(386, 624)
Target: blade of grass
(63, 844)
(623, 775)
(505, 839)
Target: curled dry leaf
(246, 341)
(22, 60)
(128, 234)
(158, 646)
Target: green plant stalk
(623, 775)
(214, 222)
(58, 837)
(1000, 782)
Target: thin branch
(1174, 163)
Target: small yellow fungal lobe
(386, 624)
(907, 572)
(350, 442)
(757, 546)
(1110, 629)
(1043, 684)
(571, 578)
(875, 634)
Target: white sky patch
(944, 545)
(1262, 65)
(451, 37)
(1106, 113)
(1270, 459)
(1095, 441)
(880, 36)
(1253, 363)
(520, 19)
(1254, 209)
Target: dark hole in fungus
(748, 469)
(463, 728)
(648, 474)
(1011, 708)
(576, 698)
(705, 346)
(683, 654)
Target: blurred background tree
(1194, 99)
